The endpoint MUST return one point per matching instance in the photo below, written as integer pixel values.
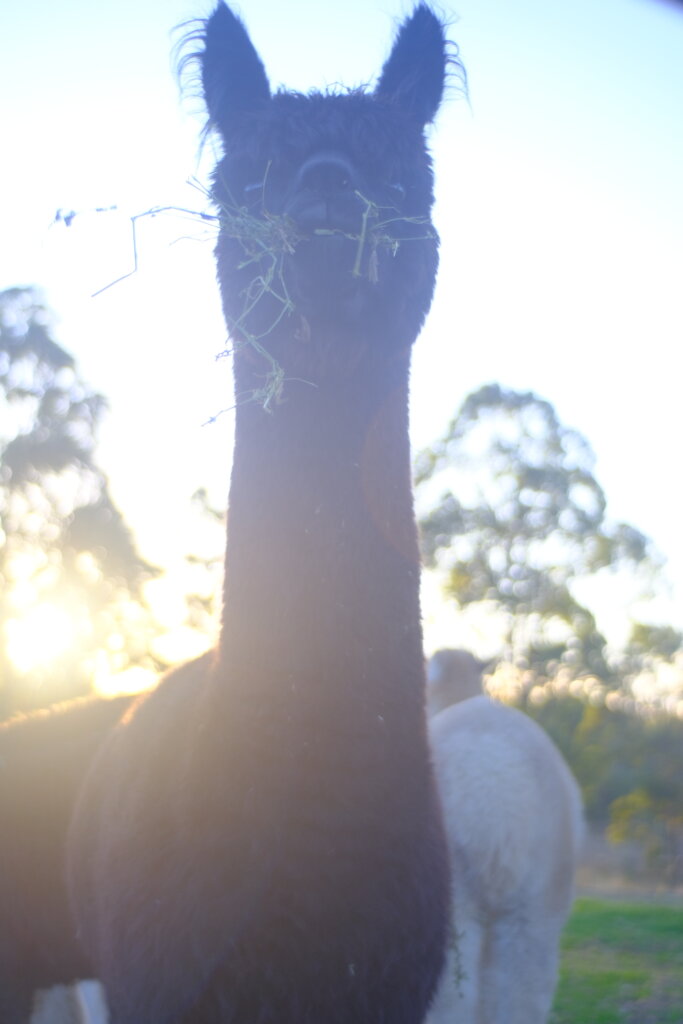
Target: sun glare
(135, 679)
(43, 634)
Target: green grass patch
(621, 964)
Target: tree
(649, 648)
(71, 597)
(652, 811)
(202, 609)
(657, 823)
(519, 517)
(630, 769)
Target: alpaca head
(324, 199)
(453, 675)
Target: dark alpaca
(261, 840)
(43, 758)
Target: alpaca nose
(324, 194)
(326, 174)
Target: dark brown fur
(260, 841)
(43, 758)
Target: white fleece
(514, 822)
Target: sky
(559, 204)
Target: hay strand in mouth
(374, 236)
(266, 240)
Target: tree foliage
(630, 769)
(515, 515)
(655, 820)
(71, 576)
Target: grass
(621, 964)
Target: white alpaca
(82, 1003)
(514, 823)
(56, 1006)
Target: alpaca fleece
(514, 822)
(43, 759)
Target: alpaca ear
(233, 77)
(415, 73)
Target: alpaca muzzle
(326, 195)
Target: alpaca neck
(322, 562)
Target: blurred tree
(515, 515)
(654, 640)
(611, 748)
(70, 594)
(648, 648)
(656, 823)
(652, 811)
(202, 609)
(630, 769)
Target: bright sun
(40, 636)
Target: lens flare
(43, 634)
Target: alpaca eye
(398, 190)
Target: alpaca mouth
(325, 267)
(325, 216)
(327, 207)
